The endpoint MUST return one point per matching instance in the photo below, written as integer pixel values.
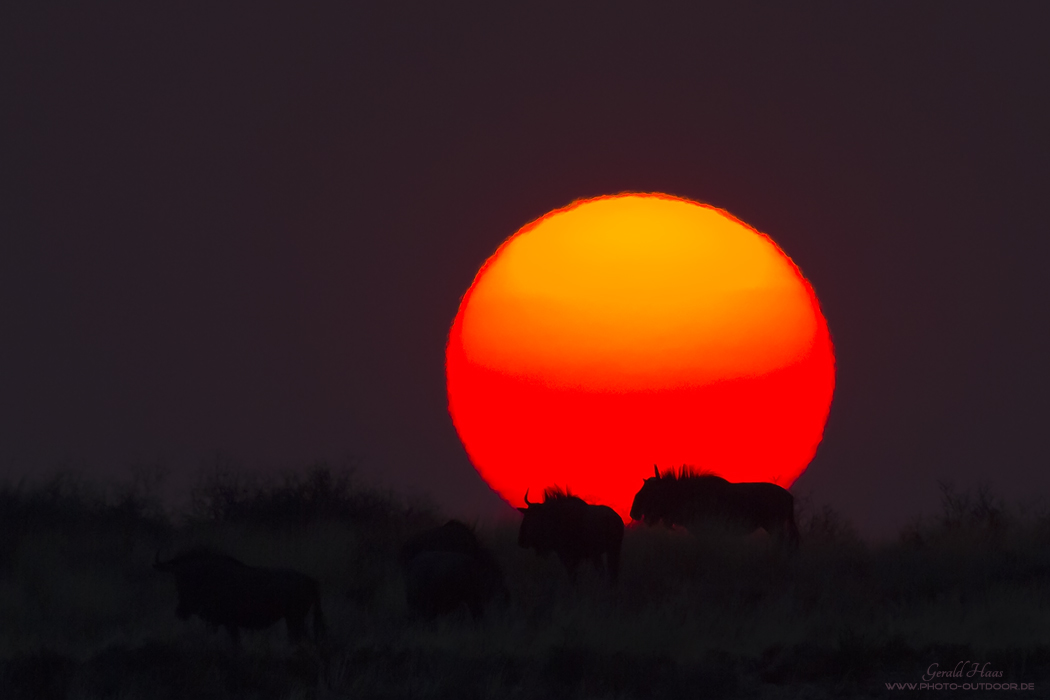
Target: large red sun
(633, 330)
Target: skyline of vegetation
(83, 615)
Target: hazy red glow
(632, 330)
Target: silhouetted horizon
(249, 233)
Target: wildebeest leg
(296, 627)
(612, 558)
(599, 564)
(785, 534)
(571, 563)
(319, 630)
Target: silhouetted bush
(976, 517)
(979, 510)
(84, 615)
(72, 502)
(823, 525)
(225, 494)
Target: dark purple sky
(248, 231)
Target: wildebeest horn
(656, 471)
(527, 498)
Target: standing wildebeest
(574, 530)
(223, 591)
(689, 499)
(446, 568)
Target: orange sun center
(630, 330)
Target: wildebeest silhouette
(442, 582)
(691, 499)
(225, 592)
(453, 536)
(447, 568)
(573, 529)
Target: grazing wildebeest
(446, 568)
(225, 592)
(691, 499)
(439, 582)
(574, 530)
(453, 536)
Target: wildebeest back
(224, 591)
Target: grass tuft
(84, 615)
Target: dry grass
(83, 615)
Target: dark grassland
(84, 615)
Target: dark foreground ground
(83, 614)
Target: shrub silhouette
(85, 615)
(225, 494)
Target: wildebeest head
(652, 503)
(194, 573)
(539, 526)
(574, 529)
(663, 496)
